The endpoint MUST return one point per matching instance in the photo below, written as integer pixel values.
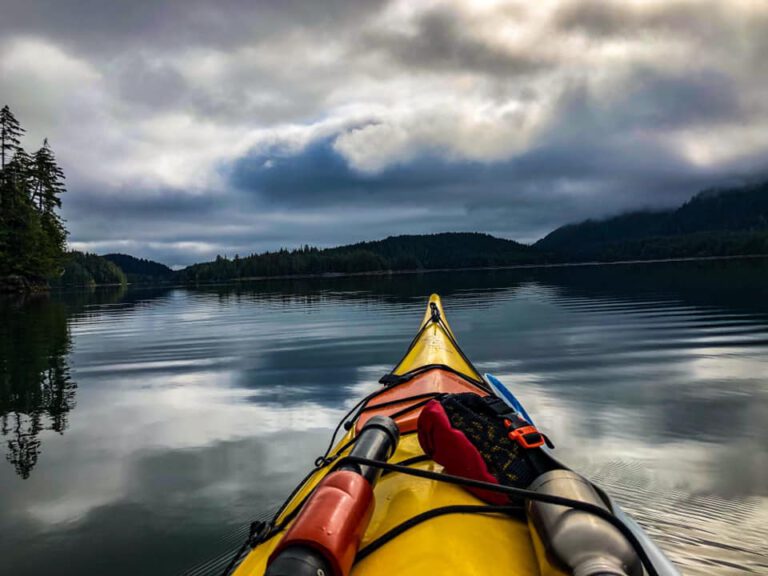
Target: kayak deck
(467, 543)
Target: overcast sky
(189, 128)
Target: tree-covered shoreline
(393, 254)
(32, 233)
(715, 223)
(33, 254)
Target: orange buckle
(527, 436)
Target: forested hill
(729, 222)
(445, 250)
(713, 223)
(430, 251)
(82, 269)
(140, 270)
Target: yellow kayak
(416, 523)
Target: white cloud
(461, 81)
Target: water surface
(144, 428)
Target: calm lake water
(142, 430)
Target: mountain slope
(712, 223)
(446, 250)
(139, 270)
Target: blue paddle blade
(505, 394)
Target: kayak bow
(435, 345)
(412, 525)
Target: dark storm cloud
(591, 163)
(102, 28)
(523, 198)
(121, 203)
(189, 128)
(440, 39)
(154, 86)
(655, 99)
(320, 175)
(616, 19)
(591, 148)
(132, 41)
(736, 30)
(705, 18)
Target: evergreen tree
(32, 234)
(19, 224)
(47, 180)
(17, 181)
(10, 134)
(84, 269)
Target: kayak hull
(476, 543)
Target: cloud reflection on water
(197, 409)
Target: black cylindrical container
(377, 441)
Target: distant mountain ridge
(714, 222)
(718, 222)
(442, 250)
(395, 253)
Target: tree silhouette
(10, 134)
(24, 444)
(36, 389)
(47, 180)
(32, 234)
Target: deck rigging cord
(523, 493)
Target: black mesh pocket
(484, 428)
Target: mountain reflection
(36, 390)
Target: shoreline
(374, 273)
(464, 269)
(15, 284)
